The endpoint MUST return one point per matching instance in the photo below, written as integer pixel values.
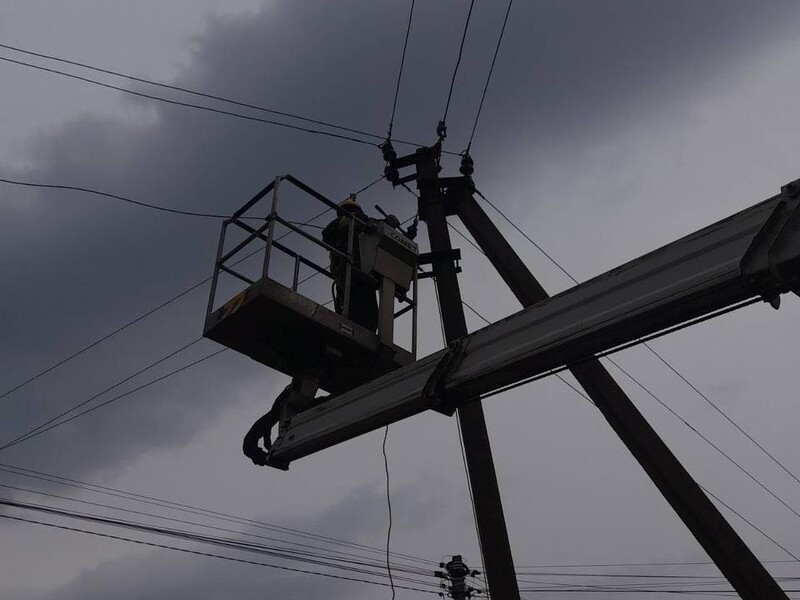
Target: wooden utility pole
(496, 549)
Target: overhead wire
(230, 543)
(197, 93)
(400, 72)
(333, 554)
(489, 77)
(44, 429)
(206, 554)
(458, 61)
(21, 437)
(112, 196)
(197, 511)
(186, 90)
(199, 107)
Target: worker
(363, 307)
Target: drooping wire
(209, 109)
(389, 507)
(458, 62)
(74, 188)
(489, 77)
(400, 72)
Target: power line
(188, 91)
(458, 61)
(489, 77)
(230, 543)
(190, 509)
(42, 429)
(335, 555)
(206, 554)
(400, 73)
(218, 111)
(113, 196)
(198, 94)
(28, 433)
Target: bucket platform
(276, 325)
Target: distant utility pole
(455, 575)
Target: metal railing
(265, 232)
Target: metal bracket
(768, 259)
(433, 391)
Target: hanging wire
(489, 76)
(400, 73)
(389, 505)
(442, 130)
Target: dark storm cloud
(81, 266)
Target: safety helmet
(349, 204)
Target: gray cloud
(570, 75)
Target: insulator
(467, 165)
(441, 130)
(388, 150)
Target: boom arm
(753, 253)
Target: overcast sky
(610, 128)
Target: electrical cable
(52, 426)
(113, 196)
(97, 395)
(308, 558)
(206, 554)
(209, 109)
(489, 77)
(335, 555)
(389, 506)
(400, 73)
(708, 441)
(200, 94)
(458, 61)
(190, 509)
(186, 90)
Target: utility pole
(492, 531)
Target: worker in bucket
(363, 307)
